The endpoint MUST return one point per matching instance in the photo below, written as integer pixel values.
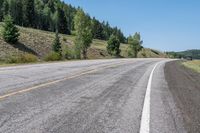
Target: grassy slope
(195, 53)
(39, 43)
(194, 65)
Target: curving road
(97, 96)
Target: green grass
(194, 65)
(40, 42)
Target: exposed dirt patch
(184, 85)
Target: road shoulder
(184, 86)
(165, 117)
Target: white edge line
(145, 119)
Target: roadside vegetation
(51, 30)
(194, 65)
(10, 31)
(194, 54)
(135, 45)
(113, 46)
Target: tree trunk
(84, 52)
(135, 53)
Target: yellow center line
(57, 81)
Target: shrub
(130, 53)
(64, 39)
(68, 53)
(113, 46)
(27, 58)
(11, 59)
(53, 56)
(22, 58)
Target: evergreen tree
(62, 22)
(40, 16)
(83, 32)
(5, 8)
(97, 29)
(51, 5)
(113, 46)
(51, 15)
(47, 20)
(69, 13)
(107, 30)
(10, 31)
(1, 9)
(19, 12)
(29, 13)
(57, 45)
(16, 11)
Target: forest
(52, 15)
(193, 53)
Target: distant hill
(39, 43)
(194, 53)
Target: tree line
(82, 42)
(81, 25)
(52, 15)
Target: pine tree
(54, 15)
(19, 12)
(62, 22)
(1, 9)
(29, 13)
(97, 29)
(5, 8)
(57, 45)
(10, 31)
(107, 30)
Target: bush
(68, 53)
(27, 58)
(130, 53)
(53, 56)
(23, 58)
(113, 46)
(64, 39)
(11, 59)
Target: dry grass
(149, 53)
(39, 43)
(194, 65)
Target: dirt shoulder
(184, 85)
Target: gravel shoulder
(184, 84)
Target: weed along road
(94, 96)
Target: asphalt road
(97, 96)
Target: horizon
(165, 26)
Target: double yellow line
(59, 80)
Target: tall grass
(22, 58)
(194, 65)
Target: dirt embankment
(184, 85)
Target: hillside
(195, 54)
(39, 43)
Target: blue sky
(167, 25)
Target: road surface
(97, 96)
